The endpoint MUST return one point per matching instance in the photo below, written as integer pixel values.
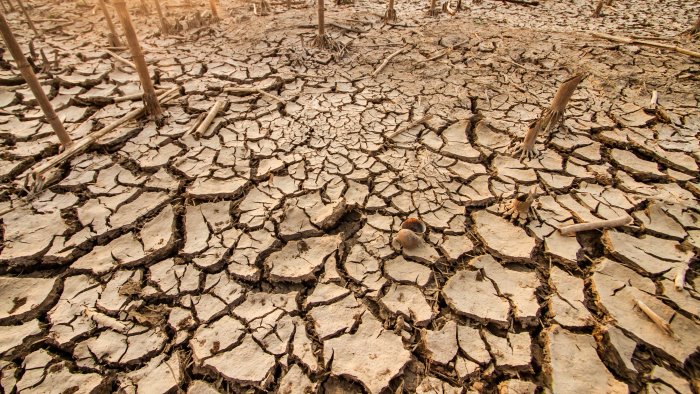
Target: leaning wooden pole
(164, 26)
(29, 18)
(114, 38)
(150, 99)
(4, 8)
(214, 11)
(33, 83)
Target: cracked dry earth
(260, 257)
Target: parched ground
(261, 255)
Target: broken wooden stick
(132, 97)
(33, 82)
(150, 100)
(656, 319)
(120, 59)
(218, 105)
(387, 60)
(272, 96)
(196, 124)
(611, 223)
(627, 40)
(114, 36)
(411, 125)
(84, 143)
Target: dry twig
(575, 228)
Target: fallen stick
(575, 228)
(656, 319)
(272, 96)
(411, 125)
(387, 60)
(627, 40)
(79, 146)
(120, 59)
(132, 97)
(444, 52)
(210, 118)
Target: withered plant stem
(33, 83)
(150, 99)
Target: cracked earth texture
(261, 256)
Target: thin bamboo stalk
(33, 83)
(114, 39)
(29, 18)
(150, 99)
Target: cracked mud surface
(263, 256)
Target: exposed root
(327, 43)
(518, 209)
(550, 119)
(390, 16)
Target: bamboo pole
(214, 11)
(114, 39)
(164, 26)
(29, 18)
(33, 83)
(150, 99)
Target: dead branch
(411, 125)
(387, 60)
(132, 97)
(120, 59)
(215, 109)
(656, 319)
(611, 223)
(628, 40)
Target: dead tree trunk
(164, 25)
(322, 40)
(29, 18)
(390, 14)
(33, 83)
(214, 11)
(113, 36)
(551, 117)
(150, 99)
(321, 19)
